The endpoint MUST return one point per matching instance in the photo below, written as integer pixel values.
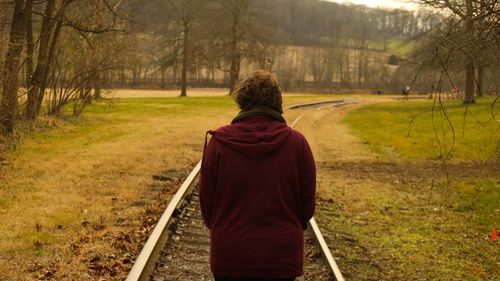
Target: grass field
(477, 139)
(74, 187)
(399, 47)
(388, 129)
(431, 227)
(77, 197)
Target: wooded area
(57, 53)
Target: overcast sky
(406, 4)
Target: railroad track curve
(178, 247)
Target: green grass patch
(110, 119)
(38, 241)
(398, 46)
(401, 47)
(146, 107)
(66, 218)
(482, 199)
(433, 134)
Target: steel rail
(334, 268)
(295, 106)
(327, 254)
(145, 262)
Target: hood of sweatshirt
(254, 134)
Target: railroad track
(178, 247)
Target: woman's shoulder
(297, 136)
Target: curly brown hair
(260, 88)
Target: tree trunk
(123, 77)
(163, 73)
(175, 69)
(240, 10)
(42, 63)
(9, 102)
(469, 81)
(51, 54)
(347, 72)
(184, 61)
(359, 71)
(235, 66)
(469, 64)
(480, 76)
(135, 76)
(97, 86)
(30, 45)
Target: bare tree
(185, 16)
(237, 12)
(30, 44)
(48, 37)
(91, 47)
(12, 64)
(471, 15)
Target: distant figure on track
(406, 91)
(257, 188)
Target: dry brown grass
(77, 200)
(70, 196)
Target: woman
(257, 188)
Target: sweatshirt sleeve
(207, 181)
(308, 185)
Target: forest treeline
(59, 54)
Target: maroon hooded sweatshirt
(257, 193)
